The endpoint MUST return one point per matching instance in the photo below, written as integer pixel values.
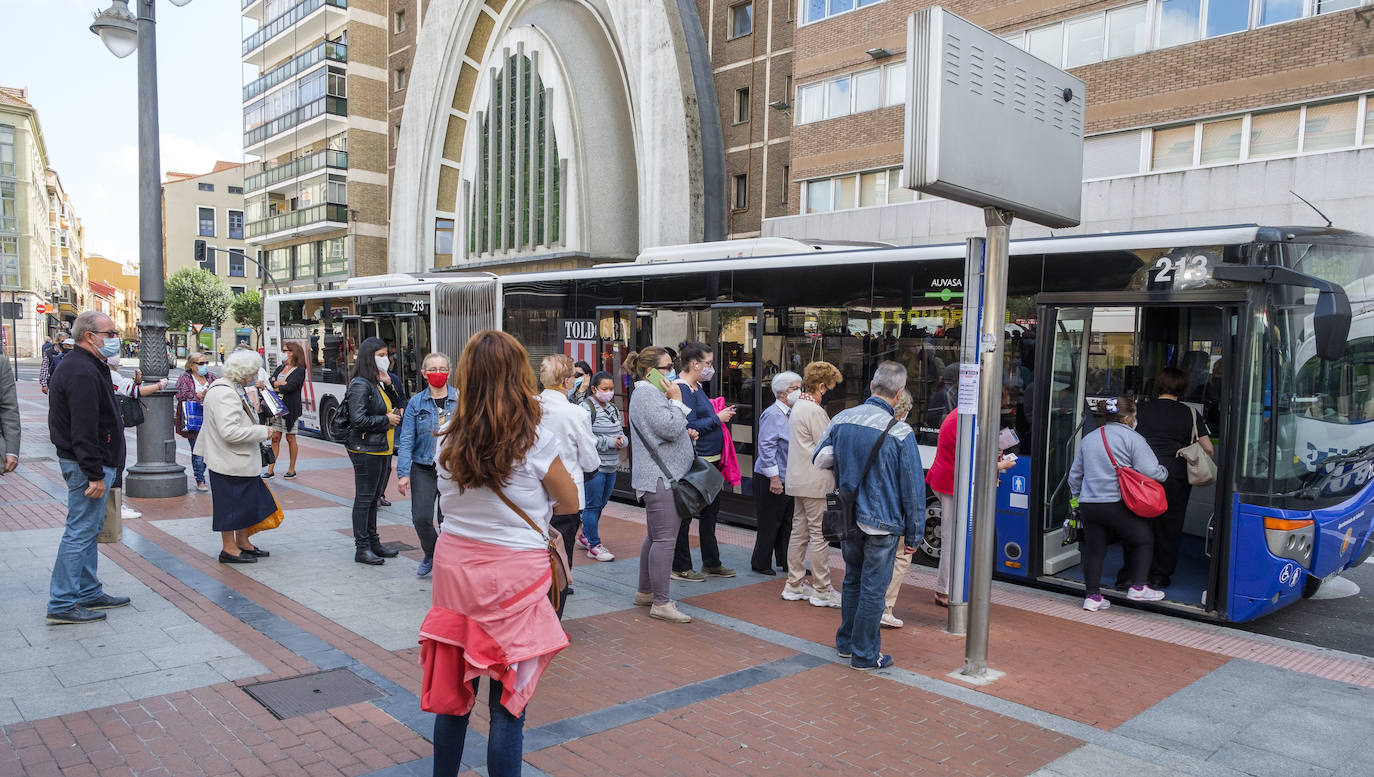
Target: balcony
(336, 106)
(325, 50)
(319, 160)
(306, 221)
(286, 21)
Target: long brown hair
(498, 413)
(297, 353)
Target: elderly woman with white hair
(230, 440)
(772, 506)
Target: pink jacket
(729, 462)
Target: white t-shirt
(479, 514)
(123, 385)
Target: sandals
(289, 475)
(942, 600)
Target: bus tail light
(1290, 538)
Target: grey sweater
(606, 428)
(659, 423)
(1092, 476)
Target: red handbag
(1142, 495)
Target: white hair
(242, 367)
(888, 380)
(784, 379)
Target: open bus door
(1096, 346)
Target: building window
(1128, 30)
(236, 190)
(7, 151)
(740, 200)
(1330, 126)
(205, 187)
(786, 182)
(1173, 148)
(279, 262)
(207, 222)
(236, 263)
(742, 105)
(238, 290)
(399, 79)
(9, 213)
(334, 260)
(9, 261)
(852, 93)
(235, 225)
(741, 19)
(1221, 141)
(517, 203)
(857, 190)
(1084, 40)
(304, 264)
(443, 237)
(816, 10)
(1274, 133)
(398, 22)
(1275, 11)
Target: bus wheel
(1310, 586)
(328, 409)
(930, 540)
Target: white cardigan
(229, 435)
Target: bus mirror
(1331, 324)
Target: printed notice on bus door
(968, 389)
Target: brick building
(737, 118)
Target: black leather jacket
(367, 424)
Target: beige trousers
(903, 560)
(899, 567)
(807, 544)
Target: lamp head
(117, 28)
(180, 3)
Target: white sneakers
(599, 553)
(829, 598)
(799, 592)
(1144, 593)
(582, 541)
(669, 612)
(891, 621)
(128, 512)
(1093, 604)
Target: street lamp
(156, 474)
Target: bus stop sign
(990, 125)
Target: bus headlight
(1290, 538)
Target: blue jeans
(73, 574)
(598, 488)
(197, 463)
(867, 571)
(505, 739)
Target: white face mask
(793, 397)
(113, 361)
(383, 362)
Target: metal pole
(14, 331)
(957, 618)
(157, 473)
(985, 466)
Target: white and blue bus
(1273, 326)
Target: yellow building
(122, 294)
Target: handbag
(696, 489)
(268, 457)
(838, 521)
(1142, 496)
(559, 567)
(130, 409)
(190, 416)
(1202, 471)
(112, 530)
(272, 403)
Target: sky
(87, 102)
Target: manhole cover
(313, 692)
(400, 546)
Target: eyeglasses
(664, 368)
(579, 374)
(111, 334)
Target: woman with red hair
(500, 482)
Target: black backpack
(338, 425)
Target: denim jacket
(416, 443)
(894, 493)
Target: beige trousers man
(807, 544)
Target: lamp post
(156, 474)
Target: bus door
(412, 343)
(738, 330)
(1093, 348)
(620, 330)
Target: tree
(196, 296)
(247, 311)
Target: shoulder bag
(558, 558)
(131, 409)
(696, 489)
(838, 521)
(1202, 471)
(1142, 496)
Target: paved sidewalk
(752, 686)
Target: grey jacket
(9, 411)
(661, 424)
(606, 428)
(1092, 477)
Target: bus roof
(387, 284)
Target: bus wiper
(1324, 474)
(1362, 452)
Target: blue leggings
(505, 740)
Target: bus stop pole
(957, 560)
(985, 463)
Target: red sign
(197, 327)
(40, 308)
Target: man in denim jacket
(889, 508)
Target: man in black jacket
(86, 428)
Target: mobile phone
(659, 382)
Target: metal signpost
(992, 126)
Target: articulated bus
(1274, 326)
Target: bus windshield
(1324, 410)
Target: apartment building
(739, 118)
(316, 134)
(118, 283)
(204, 225)
(69, 290)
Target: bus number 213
(1191, 268)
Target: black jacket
(84, 422)
(291, 392)
(367, 424)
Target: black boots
(366, 556)
(379, 549)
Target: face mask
(383, 362)
(671, 376)
(605, 397)
(793, 397)
(436, 379)
(113, 361)
(708, 372)
(202, 370)
(577, 382)
(110, 348)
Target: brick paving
(754, 689)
